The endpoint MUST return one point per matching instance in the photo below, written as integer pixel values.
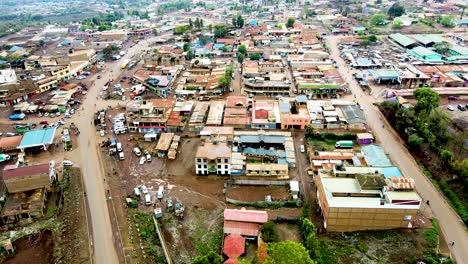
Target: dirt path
(450, 223)
(86, 156)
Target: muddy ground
(37, 248)
(257, 193)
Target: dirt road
(450, 223)
(104, 241)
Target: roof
(12, 172)
(375, 156)
(422, 51)
(264, 138)
(364, 136)
(213, 151)
(402, 39)
(10, 142)
(241, 228)
(164, 141)
(252, 216)
(38, 137)
(234, 246)
(427, 39)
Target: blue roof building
(15, 48)
(375, 156)
(37, 138)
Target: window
(226, 160)
(199, 160)
(205, 166)
(199, 166)
(219, 167)
(226, 166)
(219, 160)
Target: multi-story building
(294, 113)
(213, 158)
(367, 202)
(149, 116)
(261, 87)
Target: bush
(331, 136)
(459, 207)
(269, 233)
(362, 247)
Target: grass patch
(207, 240)
(147, 232)
(456, 203)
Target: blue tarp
(15, 48)
(302, 99)
(391, 172)
(218, 45)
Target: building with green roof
(403, 40)
(427, 40)
(425, 54)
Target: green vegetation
(102, 22)
(447, 21)
(287, 252)
(269, 233)
(172, 6)
(459, 207)
(210, 258)
(220, 31)
(225, 80)
(397, 24)
(240, 57)
(415, 141)
(378, 19)
(255, 56)
(238, 21)
(109, 50)
(148, 235)
(179, 30)
(396, 10)
(290, 22)
(426, 21)
(442, 47)
(206, 241)
(431, 235)
(242, 49)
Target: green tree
(414, 141)
(186, 47)
(240, 21)
(378, 19)
(255, 56)
(287, 252)
(242, 49)
(240, 57)
(210, 28)
(210, 258)
(442, 47)
(179, 30)
(396, 10)
(446, 156)
(309, 131)
(190, 23)
(447, 21)
(427, 98)
(234, 21)
(220, 31)
(397, 24)
(290, 22)
(372, 38)
(269, 233)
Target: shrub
(362, 247)
(269, 233)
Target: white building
(213, 158)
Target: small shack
(364, 138)
(294, 188)
(164, 144)
(10, 144)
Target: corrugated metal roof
(402, 39)
(234, 246)
(375, 156)
(252, 216)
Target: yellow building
(366, 202)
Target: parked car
(44, 122)
(137, 151)
(461, 107)
(144, 190)
(102, 133)
(450, 108)
(302, 149)
(67, 163)
(121, 156)
(10, 134)
(452, 97)
(142, 160)
(19, 116)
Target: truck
(344, 144)
(124, 64)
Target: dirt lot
(257, 193)
(37, 248)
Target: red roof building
(250, 216)
(234, 246)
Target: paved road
(452, 227)
(104, 241)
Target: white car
(124, 98)
(148, 157)
(144, 190)
(450, 108)
(67, 163)
(102, 133)
(137, 152)
(302, 149)
(121, 156)
(142, 160)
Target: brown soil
(257, 193)
(37, 248)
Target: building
(265, 114)
(234, 247)
(364, 138)
(246, 223)
(37, 139)
(267, 170)
(236, 114)
(213, 158)
(149, 116)
(367, 202)
(425, 54)
(22, 179)
(261, 87)
(294, 113)
(403, 40)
